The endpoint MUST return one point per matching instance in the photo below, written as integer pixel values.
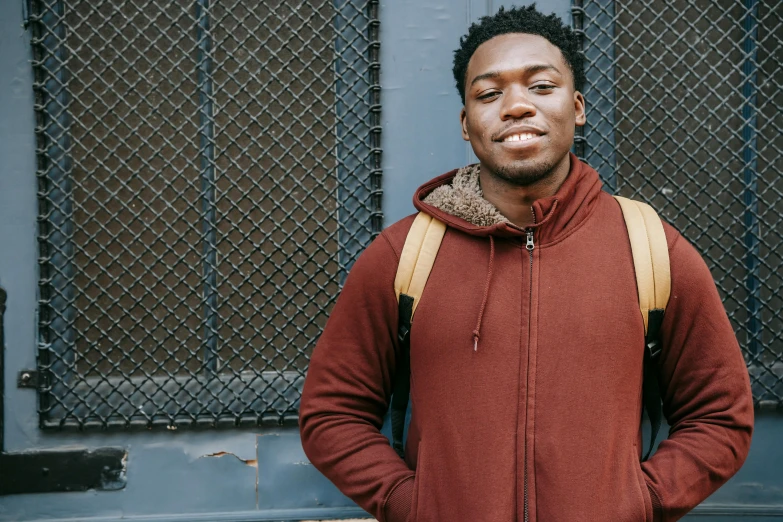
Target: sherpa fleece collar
(460, 204)
(463, 199)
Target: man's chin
(523, 174)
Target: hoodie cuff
(398, 504)
(657, 506)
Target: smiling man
(527, 348)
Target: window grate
(684, 109)
(208, 172)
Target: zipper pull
(530, 245)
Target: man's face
(520, 107)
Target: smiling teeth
(520, 137)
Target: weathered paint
(253, 463)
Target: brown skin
(516, 83)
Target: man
(526, 347)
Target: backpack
(653, 283)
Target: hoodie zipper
(530, 246)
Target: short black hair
(519, 20)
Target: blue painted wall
(171, 475)
(421, 131)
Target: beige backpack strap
(653, 282)
(416, 261)
(418, 256)
(650, 255)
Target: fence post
(358, 141)
(206, 131)
(58, 310)
(749, 158)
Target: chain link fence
(684, 111)
(208, 172)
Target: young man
(527, 345)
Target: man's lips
(521, 141)
(518, 134)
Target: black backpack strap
(402, 375)
(651, 387)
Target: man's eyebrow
(530, 69)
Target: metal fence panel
(208, 172)
(684, 111)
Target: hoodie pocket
(646, 506)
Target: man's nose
(517, 105)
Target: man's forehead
(515, 51)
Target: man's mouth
(525, 136)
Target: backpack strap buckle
(653, 338)
(654, 349)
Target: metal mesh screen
(208, 172)
(684, 111)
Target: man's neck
(516, 202)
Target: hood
(456, 199)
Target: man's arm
(706, 393)
(347, 390)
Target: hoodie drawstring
(476, 332)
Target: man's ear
(463, 119)
(579, 108)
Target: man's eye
(488, 95)
(543, 87)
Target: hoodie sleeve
(348, 387)
(706, 392)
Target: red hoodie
(541, 420)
